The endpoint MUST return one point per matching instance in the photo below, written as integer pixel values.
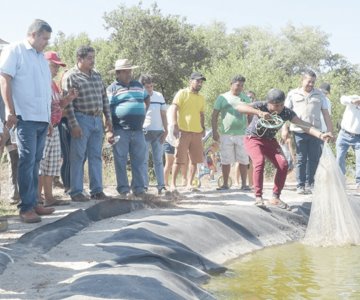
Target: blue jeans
(88, 145)
(31, 137)
(131, 142)
(152, 138)
(308, 152)
(343, 142)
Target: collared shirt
(92, 99)
(153, 119)
(190, 106)
(127, 104)
(31, 81)
(307, 107)
(351, 117)
(232, 121)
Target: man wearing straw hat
(129, 102)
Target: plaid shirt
(92, 99)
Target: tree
(163, 46)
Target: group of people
(59, 127)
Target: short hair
(309, 73)
(237, 78)
(145, 79)
(275, 96)
(83, 51)
(38, 26)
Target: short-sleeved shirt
(232, 121)
(190, 106)
(92, 99)
(31, 81)
(307, 107)
(153, 120)
(127, 104)
(254, 129)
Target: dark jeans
(308, 152)
(65, 138)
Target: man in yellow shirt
(189, 126)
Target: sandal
(259, 202)
(222, 188)
(245, 188)
(280, 204)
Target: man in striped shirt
(86, 125)
(129, 102)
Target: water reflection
(292, 271)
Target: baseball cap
(54, 57)
(325, 87)
(196, 76)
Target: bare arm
(5, 85)
(147, 103)
(248, 109)
(327, 119)
(202, 120)
(175, 120)
(308, 128)
(214, 124)
(165, 125)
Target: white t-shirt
(323, 125)
(153, 120)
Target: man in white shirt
(25, 81)
(155, 127)
(349, 135)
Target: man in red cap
(51, 161)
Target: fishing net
(334, 216)
(262, 125)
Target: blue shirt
(31, 81)
(127, 105)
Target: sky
(339, 19)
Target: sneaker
(302, 191)
(124, 195)
(259, 202)
(245, 188)
(79, 198)
(99, 196)
(161, 189)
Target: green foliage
(67, 46)
(169, 48)
(163, 46)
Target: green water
(293, 271)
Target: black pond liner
(188, 268)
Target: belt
(349, 133)
(91, 113)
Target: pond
(293, 271)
